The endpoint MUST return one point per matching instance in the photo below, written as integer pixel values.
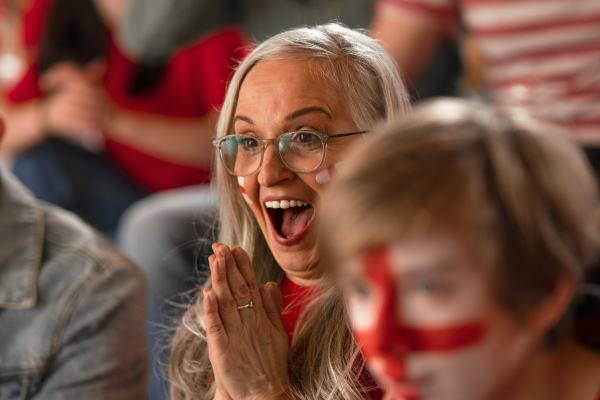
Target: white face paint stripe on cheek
(241, 184)
(361, 313)
(325, 175)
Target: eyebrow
(291, 116)
(307, 110)
(242, 118)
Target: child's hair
(520, 194)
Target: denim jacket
(72, 308)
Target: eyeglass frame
(324, 139)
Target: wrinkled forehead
(275, 92)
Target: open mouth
(290, 218)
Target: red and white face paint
(241, 184)
(428, 324)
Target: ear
(551, 309)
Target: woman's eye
(304, 141)
(303, 137)
(248, 143)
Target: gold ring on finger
(249, 305)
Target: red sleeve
(193, 83)
(438, 13)
(215, 63)
(32, 27)
(33, 22)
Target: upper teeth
(284, 204)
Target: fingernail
(267, 291)
(211, 296)
(208, 293)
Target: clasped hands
(75, 105)
(247, 344)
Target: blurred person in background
(461, 238)
(543, 55)
(152, 30)
(72, 307)
(92, 131)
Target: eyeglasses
(299, 151)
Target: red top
(292, 296)
(193, 84)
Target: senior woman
(461, 237)
(293, 108)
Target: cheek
(363, 313)
(469, 374)
(242, 185)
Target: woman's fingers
(243, 290)
(215, 331)
(227, 306)
(255, 335)
(271, 298)
(238, 287)
(244, 265)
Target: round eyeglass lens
(301, 151)
(241, 154)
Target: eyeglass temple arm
(347, 134)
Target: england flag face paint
(243, 190)
(428, 324)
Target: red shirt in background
(193, 84)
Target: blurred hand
(65, 72)
(74, 103)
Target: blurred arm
(69, 104)
(185, 141)
(23, 126)
(410, 41)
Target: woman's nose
(272, 170)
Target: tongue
(295, 220)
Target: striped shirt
(540, 54)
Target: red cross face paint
(428, 324)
